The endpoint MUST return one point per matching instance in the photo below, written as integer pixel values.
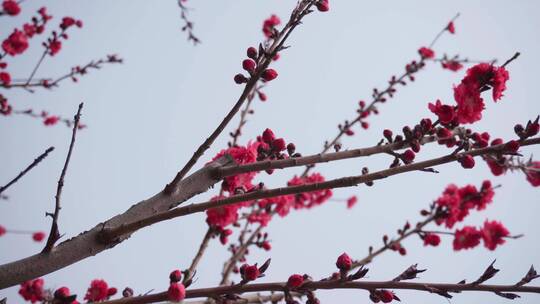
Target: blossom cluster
(34, 291)
(492, 233)
(455, 202)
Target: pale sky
(147, 116)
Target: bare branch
(54, 234)
(30, 167)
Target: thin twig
(229, 265)
(32, 165)
(54, 235)
(369, 258)
(198, 256)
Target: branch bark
(90, 243)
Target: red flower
(266, 246)
(262, 218)
(467, 162)
(51, 120)
(62, 293)
(38, 236)
(496, 168)
(98, 291)
(344, 262)
(386, 296)
(468, 237)
(250, 272)
(252, 53)
(55, 46)
(432, 239)
(222, 216)
(451, 28)
(278, 145)
(5, 78)
(249, 65)
(175, 276)
(499, 82)
(309, 199)
(176, 292)
(11, 7)
(269, 24)
(351, 201)
(470, 104)
(2, 230)
(408, 156)
(32, 290)
(268, 136)
(295, 281)
(493, 234)
(323, 6)
(426, 53)
(445, 113)
(111, 291)
(16, 43)
(452, 65)
(269, 75)
(533, 174)
(68, 22)
(239, 79)
(242, 155)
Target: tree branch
(263, 63)
(54, 234)
(90, 243)
(336, 183)
(30, 167)
(329, 285)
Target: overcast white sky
(147, 116)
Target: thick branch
(54, 234)
(90, 243)
(30, 167)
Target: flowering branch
(110, 234)
(373, 254)
(332, 285)
(48, 120)
(240, 252)
(380, 97)
(54, 234)
(317, 158)
(49, 83)
(302, 10)
(30, 167)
